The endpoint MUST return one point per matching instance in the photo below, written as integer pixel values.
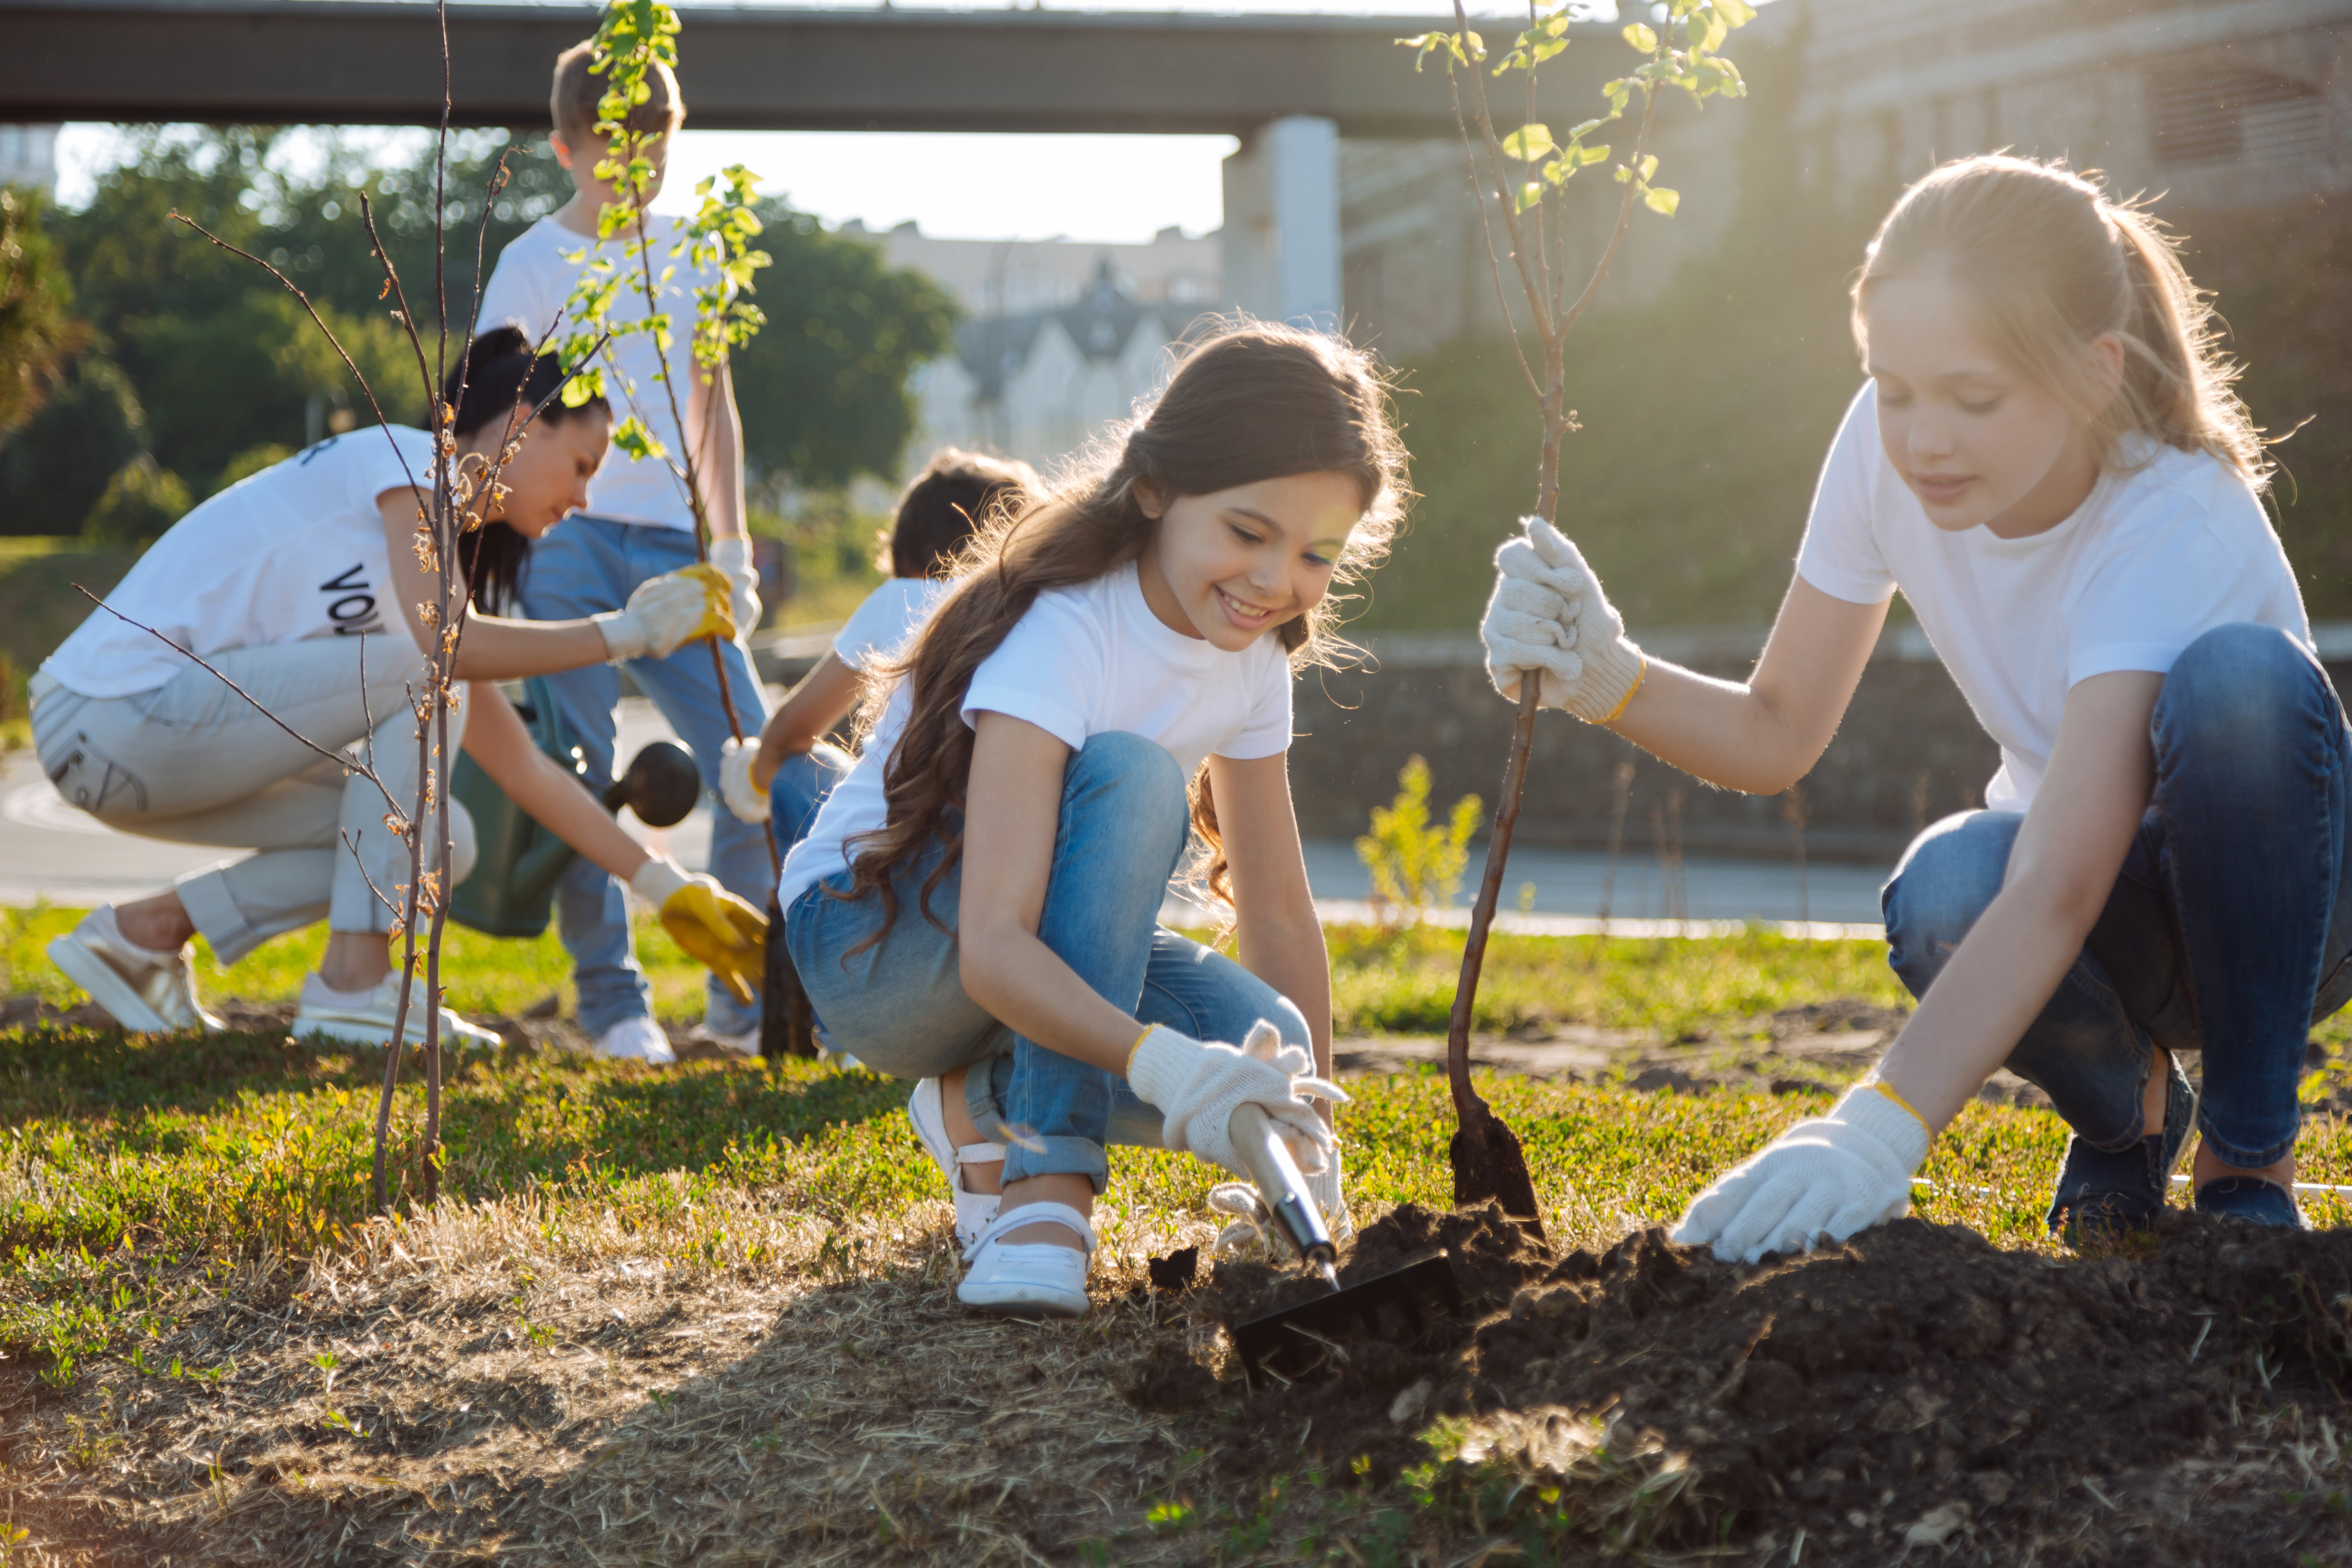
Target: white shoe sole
(343, 1029)
(1027, 1281)
(106, 988)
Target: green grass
(129, 1166)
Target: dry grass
(504, 1381)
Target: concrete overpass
(1289, 86)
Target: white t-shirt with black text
(2150, 561)
(295, 551)
(1083, 661)
(528, 289)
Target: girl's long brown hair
(1251, 402)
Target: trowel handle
(1280, 1183)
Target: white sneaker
(637, 1039)
(974, 1211)
(364, 1017)
(143, 989)
(745, 1045)
(1034, 1279)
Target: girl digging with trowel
(296, 584)
(976, 906)
(2049, 463)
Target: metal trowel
(1399, 1306)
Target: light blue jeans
(585, 566)
(802, 783)
(2229, 931)
(899, 1006)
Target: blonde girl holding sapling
(976, 906)
(2049, 463)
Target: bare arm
(1012, 809)
(716, 427)
(2060, 871)
(494, 648)
(811, 708)
(1281, 940)
(1764, 735)
(497, 738)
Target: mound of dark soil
(1913, 1374)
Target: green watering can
(511, 891)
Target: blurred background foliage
(157, 369)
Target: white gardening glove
(1198, 1085)
(666, 613)
(733, 556)
(1550, 617)
(1829, 1177)
(747, 800)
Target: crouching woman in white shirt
(302, 586)
(2049, 463)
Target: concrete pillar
(1281, 235)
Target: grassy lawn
(153, 1190)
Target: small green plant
(1416, 865)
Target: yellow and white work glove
(667, 612)
(747, 800)
(1324, 1185)
(1548, 617)
(734, 559)
(1831, 1176)
(1197, 1085)
(717, 930)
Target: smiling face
(548, 479)
(1233, 565)
(1980, 444)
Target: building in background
(28, 156)
(1060, 337)
(2209, 104)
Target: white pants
(193, 763)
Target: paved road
(50, 850)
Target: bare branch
(409, 324)
(336, 343)
(1624, 214)
(1494, 262)
(352, 844)
(341, 759)
(1495, 162)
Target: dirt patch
(1914, 1390)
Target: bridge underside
(378, 62)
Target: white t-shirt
(294, 552)
(1086, 660)
(2150, 561)
(882, 625)
(528, 288)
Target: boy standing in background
(638, 524)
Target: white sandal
(1033, 1278)
(974, 1211)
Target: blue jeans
(899, 1006)
(800, 789)
(2228, 930)
(585, 566)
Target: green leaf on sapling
(630, 436)
(1592, 154)
(1529, 143)
(1641, 36)
(1735, 13)
(1649, 166)
(1660, 201)
(1530, 192)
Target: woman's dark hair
(500, 379)
(1253, 401)
(947, 504)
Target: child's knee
(1135, 778)
(1945, 878)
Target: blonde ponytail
(2052, 263)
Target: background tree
(36, 331)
